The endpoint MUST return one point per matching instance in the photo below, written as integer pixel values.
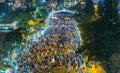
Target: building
(10, 0)
(95, 1)
(3, 10)
(119, 6)
(69, 3)
(2, 1)
(17, 4)
(22, 4)
(26, 3)
(7, 26)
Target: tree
(99, 35)
(108, 10)
(89, 7)
(15, 35)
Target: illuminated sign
(5, 27)
(42, 1)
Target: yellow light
(23, 36)
(86, 58)
(33, 30)
(82, 42)
(60, 45)
(96, 7)
(44, 25)
(83, 3)
(31, 22)
(67, 18)
(96, 69)
(36, 22)
(14, 55)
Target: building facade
(2, 1)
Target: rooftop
(6, 22)
(2, 1)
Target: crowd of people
(44, 59)
(57, 47)
(62, 19)
(51, 4)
